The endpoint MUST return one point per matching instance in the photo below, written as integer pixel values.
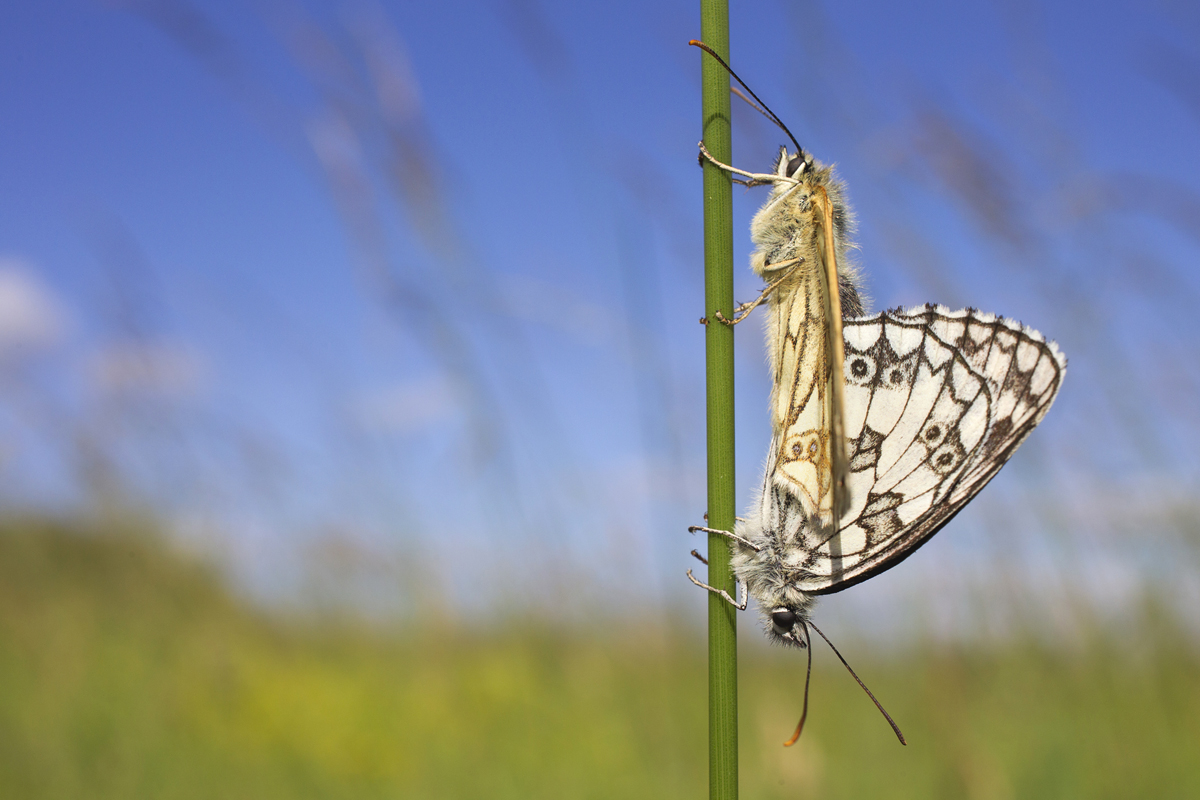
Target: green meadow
(128, 671)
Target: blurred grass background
(130, 670)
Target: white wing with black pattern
(936, 402)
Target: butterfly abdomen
(773, 573)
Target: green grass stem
(718, 294)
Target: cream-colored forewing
(830, 296)
(807, 400)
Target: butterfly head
(793, 165)
(787, 626)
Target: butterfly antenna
(807, 676)
(763, 107)
(750, 102)
(882, 710)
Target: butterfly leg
(756, 178)
(743, 310)
(722, 593)
(728, 535)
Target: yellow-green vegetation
(128, 672)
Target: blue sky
(412, 288)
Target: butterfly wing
(801, 400)
(830, 297)
(810, 459)
(936, 403)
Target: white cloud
(31, 317)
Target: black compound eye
(784, 620)
(795, 165)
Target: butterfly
(936, 402)
(802, 234)
(878, 443)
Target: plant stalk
(718, 295)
